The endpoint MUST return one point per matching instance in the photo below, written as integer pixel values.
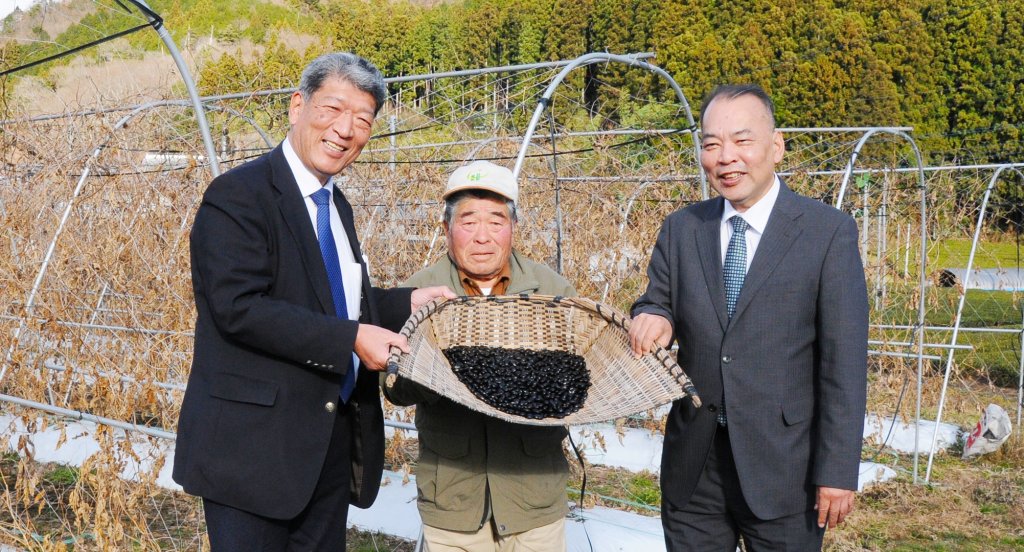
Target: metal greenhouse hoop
(544, 103)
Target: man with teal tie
(764, 291)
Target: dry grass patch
(43, 506)
(973, 505)
(50, 507)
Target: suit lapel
(779, 235)
(709, 250)
(296, 218)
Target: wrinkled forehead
(478, 205)
(337, 90)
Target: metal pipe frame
(198, 103)
(633, 60)
(186, 77)
(1020, 373)
(480, 142)
(290, 90)
(872, 352)
(914, 344)
(959, 314)
(896, 131)
(84, 175)
(544, 103)
(943, 328)
(77, 415)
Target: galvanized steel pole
(186, 76)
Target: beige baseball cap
(483, 175)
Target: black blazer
(269, 352)
(792, 361)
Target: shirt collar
(308, 183)
(757, 215)
(500, 287)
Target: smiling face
(480, 238)
(330, 128)
(740, 148)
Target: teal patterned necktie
(735, 271)
(735, 268)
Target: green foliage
(644, 488)
(950, 68)
(953, 253)
(62, 476)
(229, 21)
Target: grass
(43, 520)
(62, 476)
(972, 505)
(617, 488)
(995, 357)
(954, 253)
(366, 541)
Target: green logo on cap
(473, 177)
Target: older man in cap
(485, 484)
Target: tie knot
(321, 197)
(738, 224)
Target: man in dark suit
(764, 291)
(281, 426)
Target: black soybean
(523, 382)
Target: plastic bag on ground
(991, 432)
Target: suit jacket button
(726, 359)
(330, 366)
(712, 408)
(330, 406)
(309, 362)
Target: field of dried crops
(96, 313)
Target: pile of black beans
(530, 384)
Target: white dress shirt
(756, 217)
(351, 271)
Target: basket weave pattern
(620, 383)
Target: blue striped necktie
(735, 271)
(329, 252)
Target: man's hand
(648, 330)
(373, 346)
(833, 505)
(422, 296)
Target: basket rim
(589, 306)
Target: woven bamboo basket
(620, 383)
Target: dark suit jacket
(269, 352)
(792, 361)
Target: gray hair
(348, 67)
(452, 201)
(733, 91)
